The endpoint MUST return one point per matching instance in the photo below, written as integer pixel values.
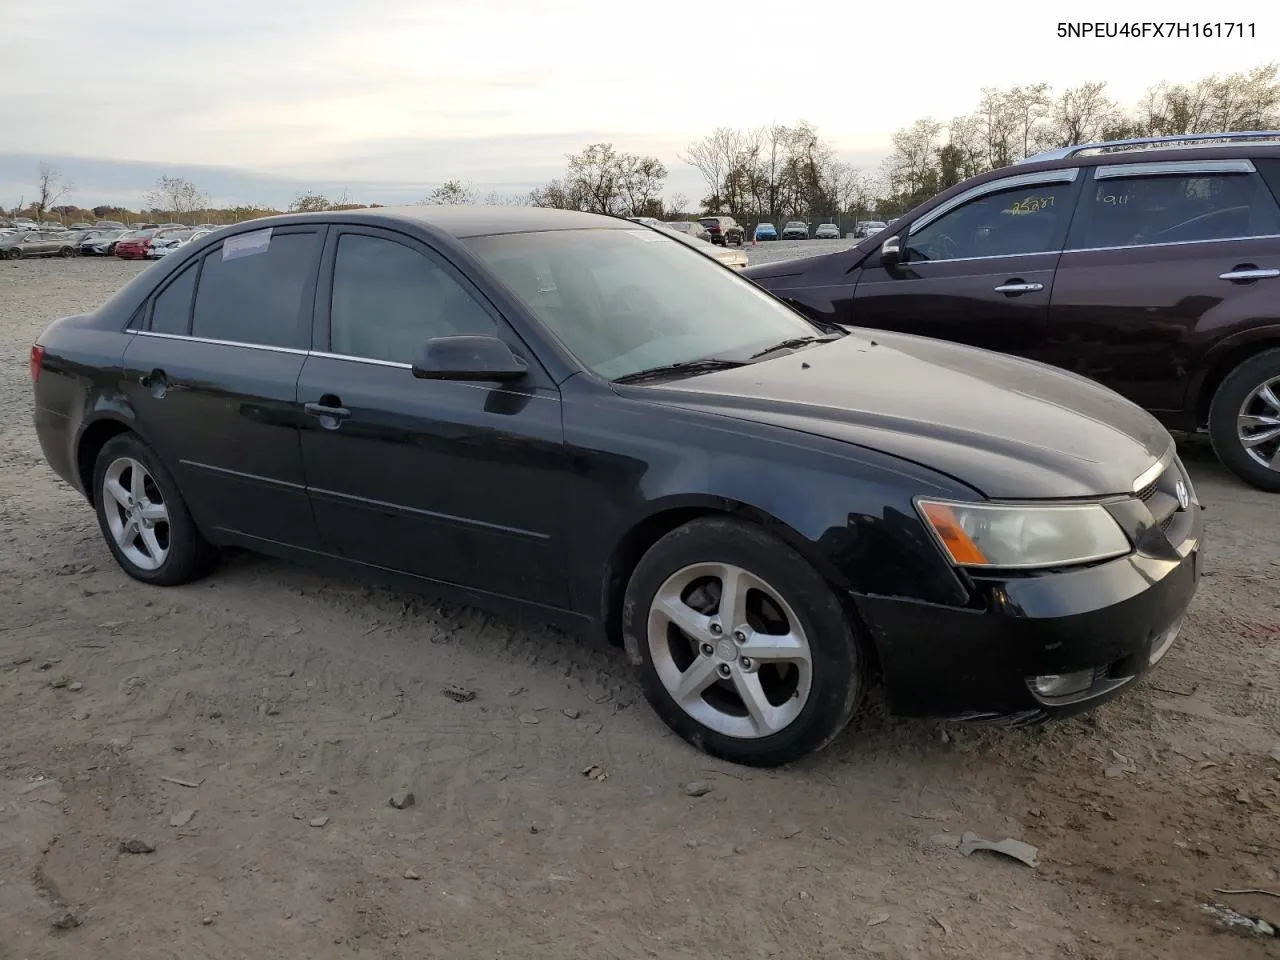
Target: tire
(184, 554)
(15, 254)
(1239, 389)
(828, 689)
(67, 252)
(111, 250)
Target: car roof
(457, 220)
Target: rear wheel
(1244, 420)
(143, 517)
(15, 254)
(67, 252)
(746, 652)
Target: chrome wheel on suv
(1244, 421)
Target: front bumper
(1116, 619)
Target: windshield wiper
(795, 342)
(691, 367)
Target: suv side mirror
(468, 357)
(891, 253)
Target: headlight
(1025, 536)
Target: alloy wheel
(1258, 424)
(729, 650)
(136, 513)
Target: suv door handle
(1015, 287)
(1246, 272)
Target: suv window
(1020, 220)
(256, 297)
(1131, 211)
(171, 312)
(389, 300)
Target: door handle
(1247, 272)
(323, 410)
(1014, 287)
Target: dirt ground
(254, 726)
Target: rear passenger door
(1163, 259)
(979, 268)
(212, 375)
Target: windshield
(622, 301)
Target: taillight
(37, 362)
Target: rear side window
(255, 293)
(172, 310)
(1137, 211)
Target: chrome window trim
(995, 256)
(221, 343)
(321, 355)
(1171, 243)
(1067, 175)
(326, 355)
(1166, 168)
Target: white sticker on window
(246, 244)
(648, 236)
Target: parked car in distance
(103, 244)
(723, 230)
(827, 231)
(734, 259)
(690, 228)
(35, 243)
(869, 228)
(540, 412)
(795, 230)
(165, 242)
(109, 225)
(766, 231)
(1151, 265)
(51, 226)
(647, 221)
(134, 245)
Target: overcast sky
(390, 97)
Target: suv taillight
(37, 361)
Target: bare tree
(1029, 108)
(1081, 114)
(677, 207)
(177, 196)
(51, 187)
(557, 194)
(452, 193)
(714, 157)
(641, 183)
(310, 202)
(498, 198)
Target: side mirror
(468, 357)
(891, 253)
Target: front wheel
(745, 651)
(15, 254)
(1244, 421)
(67, 252)
(143, 517)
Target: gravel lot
(254, 726)
(773, 250)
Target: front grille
(1149, 491)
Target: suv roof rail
(1201, 139)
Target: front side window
(1020, 220)
(1135, 211)
(623, 301)
(390, 299)
(254, 294)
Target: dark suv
(723, 230)
(1150, 265)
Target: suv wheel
(1244, 420)
(745, 650)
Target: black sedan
(582, 419)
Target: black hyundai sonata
(581, 418)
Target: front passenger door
(456, 482)
(978, 269)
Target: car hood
(1009, 428)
